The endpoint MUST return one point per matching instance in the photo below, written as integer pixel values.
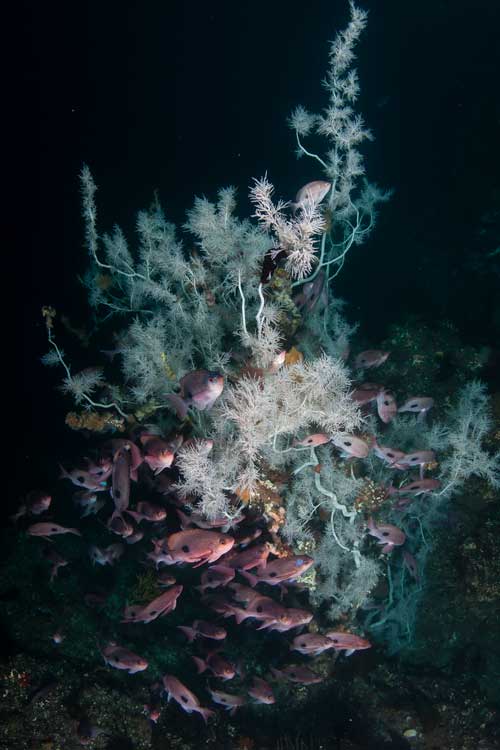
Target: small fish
(119, 526)
(135, 537)
(351, 445)
(311, 644)
(121, 658)
(347, 642)
(387, 534)
(198, 546)
(147, 512)
(82, 478)
(251, 557)
(271, 260)
(152, 712)
(46, 530)
(160, 606)
(312, 291)
(283, 569)
(390, 455)
(203, 629)
(107, 556)
(58, 637)
(57, 562)
(110, 448)
(366, 393)
(228, 701)
(297, 673)
(215, 576)
(261, 608)
(417, 458)
(184, 697)
(261, 691)
(416, 488)
(120, 479)
(387, 407)
(199, 521)
(411, 565)
(35, 503)
(158, 453)
(418, 405)
(165, 579)
(312, 194)
(371, 358)
(295, 618)
(217, 664)
(312, 441)
(200, 389)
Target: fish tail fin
(252, 580)
(207, 713)
(179, 405)
(201, 665)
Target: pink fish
(390, 455)
(351, 445)
(215, 576)
(311, 644)
(299, 674)
(388, 535)
(46, 530)
(366, 393)
(312, 291)
(120, 488)
(57, 562)
(160, 606)
(121, 658)
(110, 448)
(411, 565)
(147, 512)
(198, 546)
(294, 618)
(417, 458)
(227, 700)
(82, 478)
(418, 487)
(282, 569)
(261, 691)
(347, 642)
(165, 579)
(198, 520)
(158, 453)
(387, 407)
(202, 629)
(371, 358)
(200, 389)
(35, 502)
(251, 557)
(107, 556)
(312, 441)
(262, 608)
(418, 405)
(134, 537)
(118, 525)
(312, 194)
(184, 697)
(217, 664)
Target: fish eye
(335, 640)
(80, 479)
(272, 575)
(386, 403)
(54, 528)
(259, 609)
(293, 674)
(390, 455)
(117, 493)
(347, 442)
(415, 458)
(385, 533)
(222, 540)
(154, 612)
(303, 645)
(183, 698)
(185, 548)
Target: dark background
(186, 97)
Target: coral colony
(240, 460)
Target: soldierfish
(120, 488)
(200, 389)
(297, 673)
(106, 556)
(161, 605)
(46, 530)
(387, 407)
(387, 534)
(311, 292)
(146, 511)
(347, 642)
(417, 458)
(184, 697)
(387, 454)
(418, 405)
(52, 556)
(371, 358)
(251, 557)
(312, 193)
(418, 487)
(215, 576)
(82, 478)
(122, 658)
(311, 644)
(283, 569)
(35, 502)
(158, 454)
(202, 629)
(312, 441)
(261, 691)
(228, 701)
(351, 445)
(294, 618)
(198, 546)
(217, 664)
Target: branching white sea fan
(83, 383)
